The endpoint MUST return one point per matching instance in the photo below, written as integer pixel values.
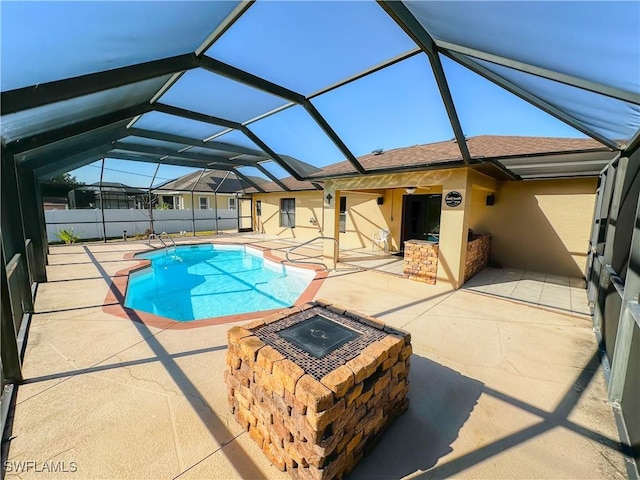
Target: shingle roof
(112, 187)
(292, 183)
(496, 146)
(209, 182)
(483, 146)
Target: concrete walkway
(498, 389)
(377, 260)
(558, 292)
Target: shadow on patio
(112, 394)
(441, 401)
(562, 293)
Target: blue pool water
(204, 281)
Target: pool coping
(113, 303)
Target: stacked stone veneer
(317, 428)
(478, 255)
(421, 261)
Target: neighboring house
(55, 203)
(108, 195)
(55, 194)
(216, 189)
(538, 219)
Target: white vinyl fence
(87, 223)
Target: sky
(306, 46)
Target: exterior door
(245, 215)
(421, 218)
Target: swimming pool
(194, 282)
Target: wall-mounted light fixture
(329, 197)
(410, 190)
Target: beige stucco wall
(453, 221)
(223, 200)
(308, 206)
(481, 186)
(541, 225)
(364, 217)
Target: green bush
(67, 236)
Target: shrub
(67, 236)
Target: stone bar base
(478, 255)
(317, 429)
(421, 261)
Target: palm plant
(67, 236)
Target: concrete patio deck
(557, 292)
(353, 258)
(499, 389)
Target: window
(343, 215)
(166, 200)
(288, 212)
(177, 202)
(232, 203)
(204, 203)
(258, 208)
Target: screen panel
(211, 94)
(294, 133)
(395, 107)
(612, 118)
(55, 115)
(162, 122)
(484, 108)
(575, 38)
(67, 39)
(305, 46)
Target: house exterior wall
(391, 210)
(308, 205)
(223, 199)
(534, 225)
(453, 220)
(364, 217)
(478, 209)
(541, 225)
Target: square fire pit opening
(316, 386)
(318, 335)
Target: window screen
(288, 212)
(343, 214)
(204, 203)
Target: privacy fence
(113, 223)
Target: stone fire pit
(315, 386)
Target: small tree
(60, 185)
(67, 179)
